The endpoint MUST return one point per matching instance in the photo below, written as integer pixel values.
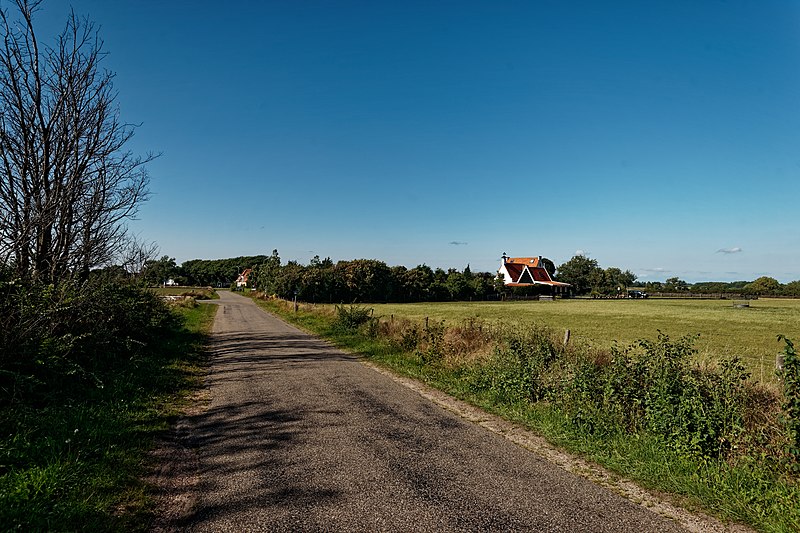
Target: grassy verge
(75, 462)
(752, 489)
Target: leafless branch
(67, 183)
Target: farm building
(529, 272)
(241, 281)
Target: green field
(723, 330)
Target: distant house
(241, 281)
(170, 283)
(529, 272)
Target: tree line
(322, 280)
(586, 276)
(372, 280)
(198, 272)
(762, 286)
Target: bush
(791, 387)
(350, 318)
(410, 337)
(89, 375)
(58, 337)
(517, 370)
(659, 390)
(432, 347)
(650, 386)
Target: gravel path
(298, 436)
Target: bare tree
(136, 254)
(67, 183)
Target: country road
(298, 436)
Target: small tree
(791, 406)
(675, 284)
(792, 288)
(499, 284)
(764, 285)
(157, 272)
(581, 272)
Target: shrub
(350, 318)
(695, 411)
(653, 385)
(432, 346)
(55, 337)
(791, 388)
(410, 337)
(517, 370)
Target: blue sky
(660, 137)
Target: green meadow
(722, 329)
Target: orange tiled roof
(530, 261)
(514, 270)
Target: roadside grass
(749, 490)
(723, 330)
(75, 462)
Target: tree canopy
(586, 276)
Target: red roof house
(528, 271)
(241, 281)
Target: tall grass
(706, 433)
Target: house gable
(525, 277)
(241, 281)
(526, 271)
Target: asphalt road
(299, 436)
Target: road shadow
(237, 444)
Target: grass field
(724, 330)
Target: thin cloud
(734, 250)
(583, 253)
(656, 272)
(458, 243)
